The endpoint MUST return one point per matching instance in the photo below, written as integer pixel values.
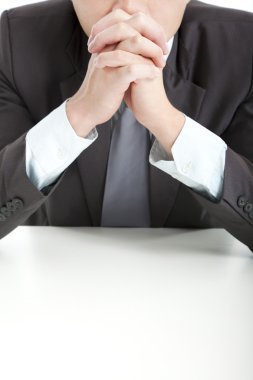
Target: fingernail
(91, 45)
(91, 38)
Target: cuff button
(186, 167)
(17, 204)
(2, 218)
(248, 208)
(10, 206)
(5, 211)
(241, 201)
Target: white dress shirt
(199, 155)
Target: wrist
(79, 119)
(168, 127)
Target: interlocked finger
(132, 73)
(140, 45)
(114, 34)
(119, 58)
(110, 19)
(117, 23)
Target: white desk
(125, 304)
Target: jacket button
(5, 211)
(241, 201)
(2, 217)
(248, 207)
(17, 203)
(10, 206)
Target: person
(128, 114)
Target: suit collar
(181, 92)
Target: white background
(240, 4)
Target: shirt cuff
(52, 145)
(199, 159)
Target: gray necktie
(126, 195)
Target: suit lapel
(186, 97)
(92, 163)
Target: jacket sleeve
(234, 211)
(18, 196)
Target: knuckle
(121, 27)
(140, 16)
(136, 39)
(118, 54)
(118, 13)
(131, 69)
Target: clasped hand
(127, 60)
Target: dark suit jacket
(208, 76)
